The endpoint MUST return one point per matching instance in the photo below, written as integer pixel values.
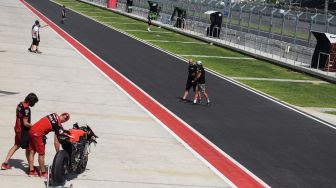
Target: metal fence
(263, 28)
(284, 35)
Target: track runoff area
(265, 136)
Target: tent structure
(324, 56)
(216, 18)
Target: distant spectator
(36, 37)
(149, 22)
(200, 80)
(190, 78)
(63, 14)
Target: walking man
(149, 22)
(200, 80)
(191, 77)
(22, 126)
(63, 14)
(36, 37)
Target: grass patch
(331, 112)
(300, 94)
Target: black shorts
(35, 42)
(189, 84)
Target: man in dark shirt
(63, 14)
(22, 126)
(149, 22)
(191, 77)
(200, 81)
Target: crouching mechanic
(37, 134)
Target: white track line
(145, 31)
(123, 23)
(95, 16)
(170, 41)
(281, 80)
(218, 57)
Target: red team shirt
(43, 126)
(39, 130)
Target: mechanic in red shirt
(37, 134)
(22, 125)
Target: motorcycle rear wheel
(60, 168)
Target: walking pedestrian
(36, 37)
(63, 14)
(149, 22)
(200, 81)
(190, 78)
(22, 126)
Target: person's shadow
(19, 164)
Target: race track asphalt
(280, 146)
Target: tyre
(84, 159)
(60, 168)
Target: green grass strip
(331, 112)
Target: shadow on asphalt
(19, 164)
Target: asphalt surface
(280, 146)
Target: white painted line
(281, 80)
(85, 8)
(119, 17)
(218, 57)
(124, 23)
(89, 12)
(71, 2)
(145, 31)
(171, 41)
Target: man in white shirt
(36, 37)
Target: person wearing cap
(37, 134)
(22, 126)
(200, 81)
(34, 47)
(191, 76)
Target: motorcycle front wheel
(60, 168)
(84, 159)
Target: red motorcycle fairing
(76, 134)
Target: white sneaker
(148, 30)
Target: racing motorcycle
(75, 154)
